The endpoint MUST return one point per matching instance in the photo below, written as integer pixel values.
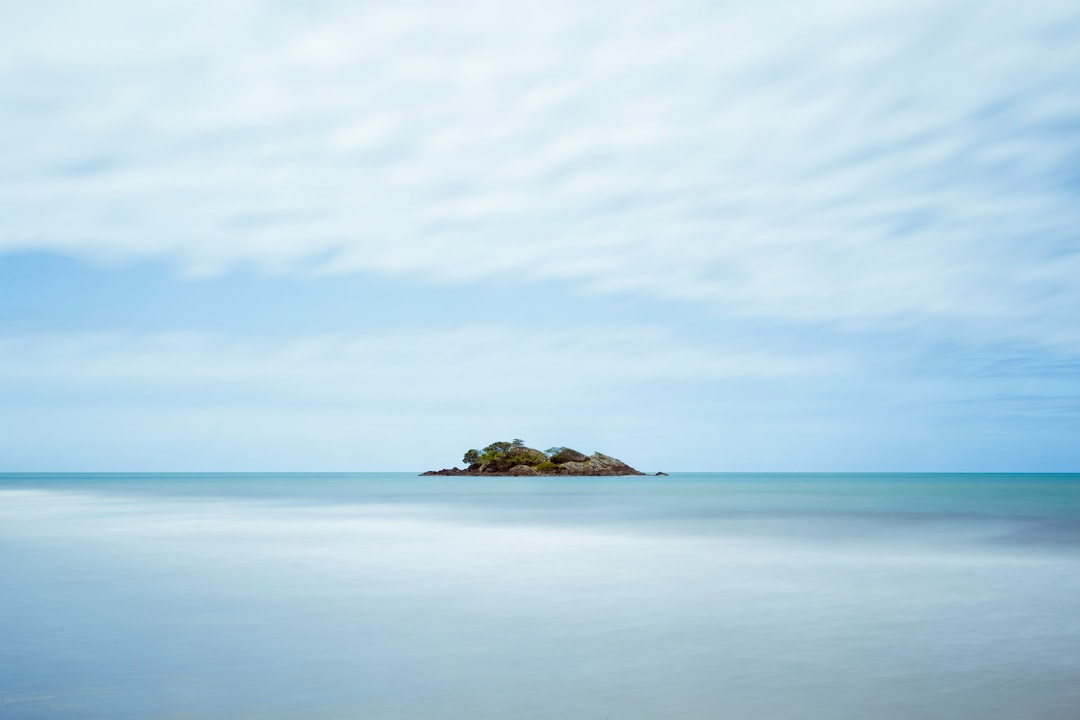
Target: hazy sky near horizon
(249, 235)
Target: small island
(515, 459)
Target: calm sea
(393, 597)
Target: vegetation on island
(515, 458)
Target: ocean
(387, 596)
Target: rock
(520, 470)
(607, 465)
(661, 474)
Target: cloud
(397, 399)
(391, 399)
(421, 368)
(907, 165)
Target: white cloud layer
(893, 163)
(389, 400)
(423, 368)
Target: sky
(349, 236)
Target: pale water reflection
(394, 597)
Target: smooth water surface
(756, 597)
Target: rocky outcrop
(598, 464)
(448, 471)
(516, 460)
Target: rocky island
(514, 458)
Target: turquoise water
(392, 596)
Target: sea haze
(389, 596)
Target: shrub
(565, 455)
(526, 456)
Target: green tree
(495, 452)
(471, 457)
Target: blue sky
(365, 236)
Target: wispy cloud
(421, 369)
(382, 400)
(413, 399)
(907, 164)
